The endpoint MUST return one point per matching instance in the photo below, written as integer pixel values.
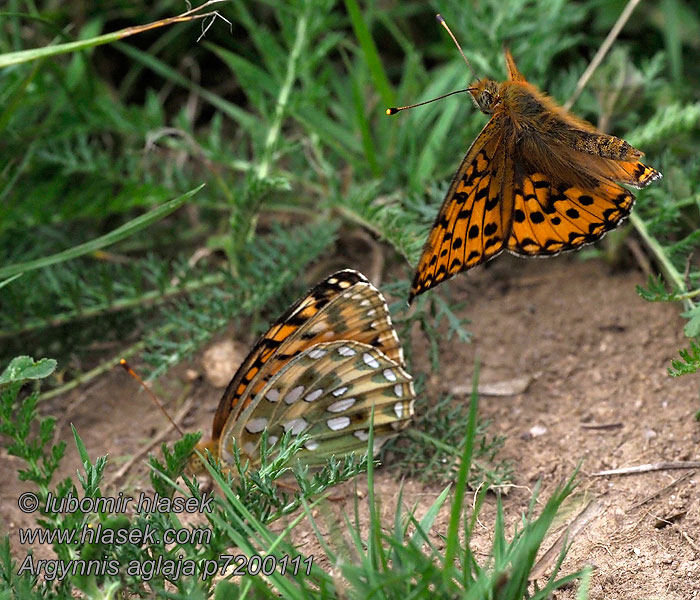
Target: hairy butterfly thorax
(536, 181)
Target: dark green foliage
(689, 363)
(162, 475)
(282, 117)
(13, 586)
(656, 291)
(272, 263)
(16, 421)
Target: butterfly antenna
(135, 375)
(454, 39)
(394, 110)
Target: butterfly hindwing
(328, 392)
(611, 157)
(318, 342)
(474, 221)
(549, 218)
(343, 306)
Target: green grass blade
(428, 519)
(23, 56)
(672, 11)
(245, 70)
(237, 114)
(452, 544)
(371, 55)
(365, 128)
(4, 282)
(106, 240)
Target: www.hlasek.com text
(98, 534)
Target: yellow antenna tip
(391, 111)
(439, 18)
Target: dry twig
(661, 491)
(662, 466)
(601, 425)
(602, 51)
(691, 543)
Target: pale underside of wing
(474, 220)
(344, 306)
(597, 155)
(327, 392)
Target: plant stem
(670, 272)
(152, 297)
(283, 97)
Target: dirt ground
(598, 355)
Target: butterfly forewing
(474, 221)
(328, 392)
(343, 306)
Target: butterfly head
(485, 94)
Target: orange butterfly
(536, 181)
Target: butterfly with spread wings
(536, 181)
(321, 368)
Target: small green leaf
(692, 327)
(81, 447)
(24, 367)
(689, 363)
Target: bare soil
(600, 393)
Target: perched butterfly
(536, 181)
(319, 370)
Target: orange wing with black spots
(536, 181)
(474, 221)
(550, 218)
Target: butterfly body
(536, 181)
(321, 369)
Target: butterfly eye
(486, 98)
